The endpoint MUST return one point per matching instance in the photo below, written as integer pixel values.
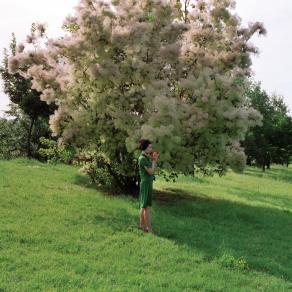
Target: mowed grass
(57, 233)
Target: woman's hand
(155, 156)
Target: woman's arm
(150, 170)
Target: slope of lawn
(57, 233)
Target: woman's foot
(141, 227)
(145, 228)
(149, 229)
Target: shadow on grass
(84, 181)
(172, 196)
(282, 174)
(275, 200)
(260, 235)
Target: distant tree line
(271, 142)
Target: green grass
(57, 233)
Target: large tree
(130, 69)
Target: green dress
(146, 182)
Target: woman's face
(149, 149)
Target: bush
(227, 260)
(94, 164)
(53, 153)
(12, 139)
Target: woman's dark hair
(144, 143)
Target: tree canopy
(132, 69)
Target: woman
(147, 165)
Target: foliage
(227, 260)
(14, 131)
(28, 100)
(272, 142)
(94, 165)
(104, 172)
(132, 69)
(12, 139)
(53, 153)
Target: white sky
(272, 67)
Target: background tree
(12, 138)
(14, 131)
(271, 142)
(132, 69)
(281, 133)
(20, 92)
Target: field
(58, 233)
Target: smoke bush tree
(130, 69)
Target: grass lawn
(57, 233)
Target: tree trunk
(28, 148)
(186, 4)
(264, 167)
(131, 186)
(126, 184)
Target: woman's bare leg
(142, 218)
(148, 219)
(145, 218)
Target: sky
(272, 67)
